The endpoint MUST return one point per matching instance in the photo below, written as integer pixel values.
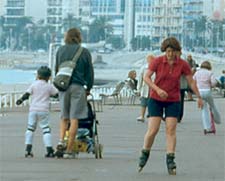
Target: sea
(16, 76)
(115, 70)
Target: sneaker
(69, 155)
(140, 119)
(209, 131)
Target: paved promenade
(198, 157)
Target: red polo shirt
(168, 77)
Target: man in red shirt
(165, 99)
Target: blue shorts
(144, 101)
(158, 108)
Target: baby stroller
(87, 136)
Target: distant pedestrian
(143, 88)
(183, 89)
(222, 80)
(165, 99)
(193, 66)
(205, 81)
(40, 92)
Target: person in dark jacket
(73, 101)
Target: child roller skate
(143, 159)
(171, 165)
(28, 152)
(50, 152)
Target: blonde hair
(150, 57)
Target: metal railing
(8, 99)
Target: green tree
(70, 21)
(2, 33)
(117, 42)
(99, 29)
(199, 29)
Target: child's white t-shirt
(41, 91)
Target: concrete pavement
(198, 157)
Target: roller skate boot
(28, 151)
(50, 152)
(143, 159)
(171, 165)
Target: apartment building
(2, 7)
(112, 10)
(14, 10)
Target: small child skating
(40, 92)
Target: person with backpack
(73, 101)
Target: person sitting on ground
(40, 92)
(143, 88)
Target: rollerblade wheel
(172, 171)
(29, 155)
(140, 169)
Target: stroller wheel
(59, 151)
(98, 151)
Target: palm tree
(23, 24)
(70, 21)
(99, 29)
(200, 28)
(2, 37)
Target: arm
(193, 85)
(140, 80)
(148, 79)
(213, 80)
(89, 78)
(23, 98)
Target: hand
(162, 94)
(87, 93)
(200, 103)
(19, 101)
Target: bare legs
(72, 132)
(63, 127)
(153, 128)
(171, 124)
